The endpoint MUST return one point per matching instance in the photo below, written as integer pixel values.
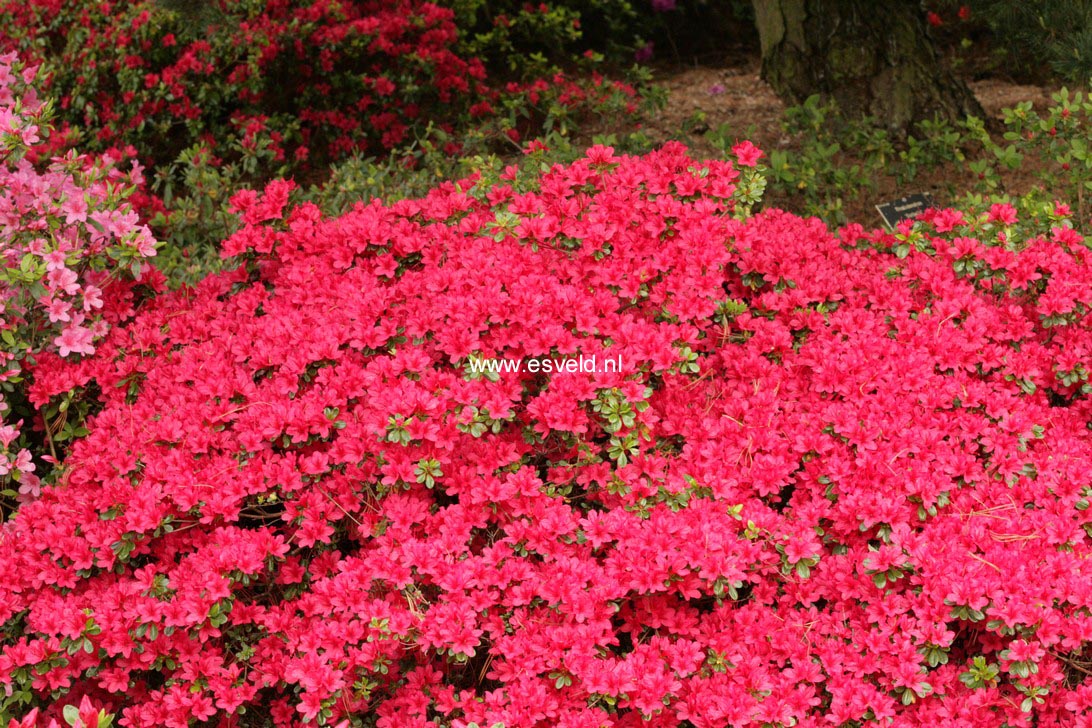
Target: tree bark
(871, 57)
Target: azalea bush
(72, 255)
(299, 78)
(837, 478)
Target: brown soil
(733, 96)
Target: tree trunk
(871, 57)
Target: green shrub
(1055, 34)
(527, 40)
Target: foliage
(835, 160)
(1033, 36)
(1060, 142)
(529, 39)
(1056, 146)
(817, 171)
(870, 449)
(532, 40)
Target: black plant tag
(904, 207)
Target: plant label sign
(904, 207)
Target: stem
(49, 438)
(1080, 202)
(1072, 663)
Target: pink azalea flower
(746, 154)
(74, 339)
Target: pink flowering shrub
(71, 250)
(838, 479)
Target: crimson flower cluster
(301, 73)
(303, 82)
(840, 477)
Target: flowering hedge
(71, 255)
(838, 478)
(293, 80)
(291, 75)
